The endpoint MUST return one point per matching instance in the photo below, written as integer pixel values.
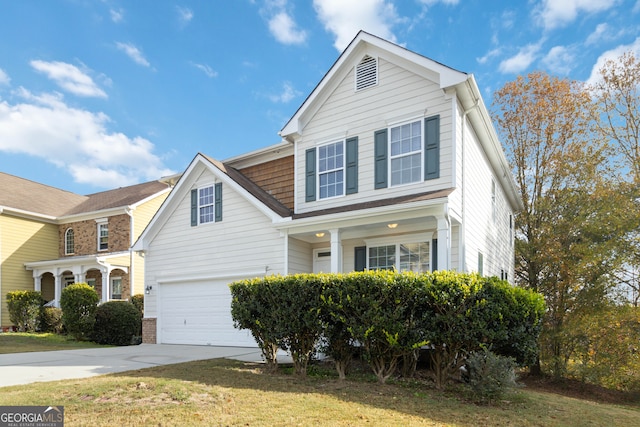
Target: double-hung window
(331, 170)
(103, 235)
(206, 204)
(406, 153)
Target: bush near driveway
(51, 320)
(79, 302)
(117, 323)
(24, 309)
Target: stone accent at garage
(149, 330)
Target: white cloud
(76, 141)
(285, 30)
(491, 54)
(69, 77)
(345, 19)
(116, 15)
(185, 15)
(288, 93)
(521, 61)
(598, 34)
(558, 13)
(210, 72)
(4, 78)
(281, 23)
(613, 54)
(432, 2)
(559, 60)
(134, 53)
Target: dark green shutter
(194, 208)
(360, 258)
(352, 165)
(434, 254)
(218, 202)
(432, 147)
(310, 175)
(380, 158)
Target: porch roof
(112, 260)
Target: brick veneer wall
(85, 235)
(149, 330)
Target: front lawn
(224, 392)
(23, 342)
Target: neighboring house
(391, 162)
(50, 238)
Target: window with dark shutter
(194, 208)
(360, 258)
(352, 166)
(380, 158)
(432, 147)
(310, 175)
(218, 202)
(366, 73)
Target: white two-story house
(392, 161)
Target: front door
(322, 260)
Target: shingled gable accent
(431, 195)
(252, 188)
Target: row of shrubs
(79, 315)
(388, 317)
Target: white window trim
(213, 204)
(399, 240)
(100, 222)
(111, 280)
(343, 168)
(66, 242)
(390, 157)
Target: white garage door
(199, 313)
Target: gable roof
(29, 197)
(445, 76)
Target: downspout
(463, 235)
(129, 212)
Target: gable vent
(366, 73)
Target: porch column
(105, 284)
(444, 244)
(57, 289)
(37, 282)
(336, 251)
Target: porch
(107, 274)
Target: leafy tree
(568, 237)
(617, 92)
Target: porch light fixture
(321, 234)
(392, 225)
(147, 290)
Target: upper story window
(69, 244)
(331, 170)
(407, 153)
(103, 235)
(206, 204)
(366, 73)
(405, 142)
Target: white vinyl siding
(400, 96)
(244, 241)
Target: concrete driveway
(26, 368)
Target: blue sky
(97, 94)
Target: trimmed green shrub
(489, 376)
(79, 302)
(51, 320)
(138, 301)
(24, 309)
(117, 323)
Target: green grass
(222, 392)
(22, 342)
